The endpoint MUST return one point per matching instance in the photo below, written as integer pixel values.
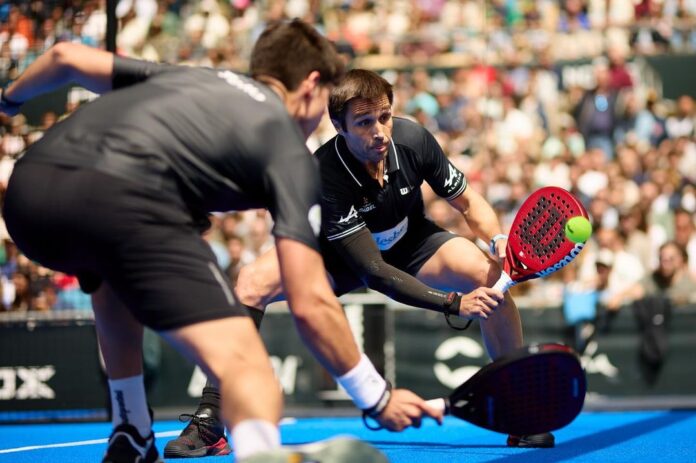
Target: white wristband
(363, 384)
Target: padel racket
(532, 390)
(537, 245)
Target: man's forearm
(327, 334)
(479, 214)
(361, 254)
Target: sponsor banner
(174, 381)
(45, 367)
(50, 367)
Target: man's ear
(337, 125)
(310, 83)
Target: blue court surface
(654, 436)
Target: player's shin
(204, 435)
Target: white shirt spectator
(95, 26)
(18, 46)
(210, 22)
(679, 127)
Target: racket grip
(504, 282)
(438, 404)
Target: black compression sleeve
(361, 253)
(129, 71)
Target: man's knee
(486, 272)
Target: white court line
(78, 443)
(52, 446)
(102, 441)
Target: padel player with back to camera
(121, 187)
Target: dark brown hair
(290, 50)
(357, 83)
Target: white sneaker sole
(336, 450)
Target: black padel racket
(532, 390)
(537, 245)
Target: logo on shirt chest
(367, 206)
(352, 214)
(388, 238)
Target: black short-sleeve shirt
(351, 200)
(227, 140)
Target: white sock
(129, 404)
(254, 436)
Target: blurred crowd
(519, 93)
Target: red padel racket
(537, 245)
(532, 390)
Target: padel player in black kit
(117, 194)
(375, 233)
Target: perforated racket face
(530, 394)
(537, 240)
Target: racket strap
(451, 307)
(377, 409)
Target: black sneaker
(126, 446)
(203, 436)
(543, 440)
(337, 450)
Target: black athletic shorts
(143, 241)
(409, 254)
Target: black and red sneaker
(203, 436)
(543, 440)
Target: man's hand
(480, 303)
(406, 409)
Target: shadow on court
(598, 441)
(607, 443)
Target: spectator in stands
(239, 256)
(633, 227)
(671, 279)
(259, 235)
(13, 141)
(654, 121)
(685, 235)
(23, 301)
(47, 120)
(596, 113)
(620, 78)
(610, 266)
(681, 124)
(573, 16)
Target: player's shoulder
(408, 133)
